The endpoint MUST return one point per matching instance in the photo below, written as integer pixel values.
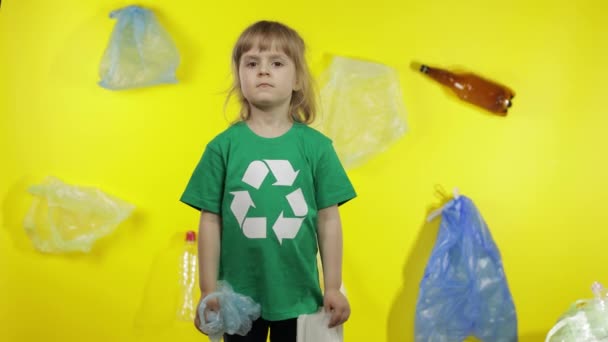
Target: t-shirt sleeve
(332, 185)
(205, 188)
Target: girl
(268, 189)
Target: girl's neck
(269, 124)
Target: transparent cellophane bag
(585, 321)
(66, 218)
(362, 109)
(140, 52)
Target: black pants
(280, 331)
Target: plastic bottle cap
(190, 236)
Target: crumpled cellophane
(67, 218)
(362, 108)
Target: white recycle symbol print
(283, 227)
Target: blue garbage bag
(464, 291)
(235, 317)
(140, 52)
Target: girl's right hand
(212, 305)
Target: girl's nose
(263, 69)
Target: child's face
(268, 78)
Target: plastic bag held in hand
(236, 314)
(67, 218)
(140, 53)
(315, 328)
(464, 291)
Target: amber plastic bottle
(474, 89)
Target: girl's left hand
(337, 305)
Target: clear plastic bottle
(188, 279)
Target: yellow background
(538, 176)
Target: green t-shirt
(268, 192)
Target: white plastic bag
(314, 328)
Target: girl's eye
(251, 64)
(277, 64)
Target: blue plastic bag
(464, 291)
(236, 314)
(140, 53)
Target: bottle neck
(442, 76)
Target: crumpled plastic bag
(140, 52)
(67, 218)
(362, 108)
(235, 317)
(585, 321)
(315, 328)
(464, 290)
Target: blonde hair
(270, 34)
